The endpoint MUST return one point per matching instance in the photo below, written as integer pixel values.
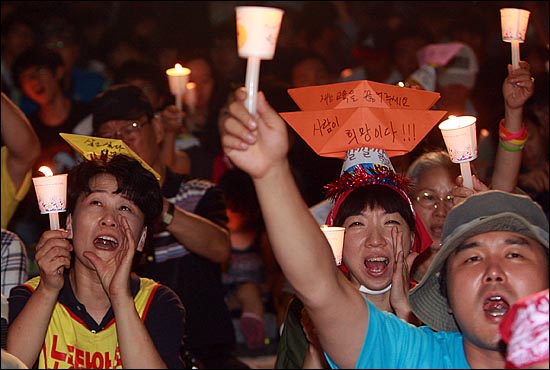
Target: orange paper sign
(339, 117)
(332, 132)
(361, 93)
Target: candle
(51, 194)
(257, 32)
(335, 237)
(459, 134)
(514, 24)
(177, 80)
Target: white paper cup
(513, 24)
(51, 193)
(459, 134)
(257, 30)
(335, 236)
(177, 80)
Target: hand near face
(114, 273)
(53, 255)
(399, 292)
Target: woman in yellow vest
(86, 309)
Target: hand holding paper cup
(459, 134)
(51, 193)
(514, 24)
(257, 32)
(335, 236)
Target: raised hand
(114, 273)
(399, 293)
(253, 144)
(53, 255)
(518, 86)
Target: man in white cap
(495, 252)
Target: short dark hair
(372, 196)
(35, 57)
(134, 181)
(120, 102)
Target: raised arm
(517, 88)
(23, 149)
(259, 146)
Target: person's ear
(69, 226)
(142, 239)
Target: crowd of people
(213, 250)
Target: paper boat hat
(348, 115)
(89, 146)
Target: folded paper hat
(90, 146)
(339, 117)
(368, 166)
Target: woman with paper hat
(370, 200)
(495, 252)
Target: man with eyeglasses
(191, 241)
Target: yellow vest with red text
(69, 344)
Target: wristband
(168, 216)
(509, 148)
(506, 135)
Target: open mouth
(106, 243)
(496, 306)
(376, 265)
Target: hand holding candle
(335, 236)
(257, 32)
(459, 134)
(51, 193)
(177, 80)
(513, 24)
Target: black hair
(241, 197)
(371, 197)
(134, 181)
(35, 57)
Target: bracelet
(506, 135)
(515, 148)
(168, 217)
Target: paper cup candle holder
(459, 134)
(257, 32)
(177, 81)
(514, 24)
(51, 194)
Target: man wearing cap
(192, 239)
(495, 252)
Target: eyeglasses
(429, 200)
(129, 131)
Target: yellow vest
(69, 344)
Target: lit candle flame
(178, 67)
(46, 170)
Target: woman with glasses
(433, 176)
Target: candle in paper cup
(51, 194)
(459, 134)
(335, 236)
(514, 24)
(177, 80)
(257, 32)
